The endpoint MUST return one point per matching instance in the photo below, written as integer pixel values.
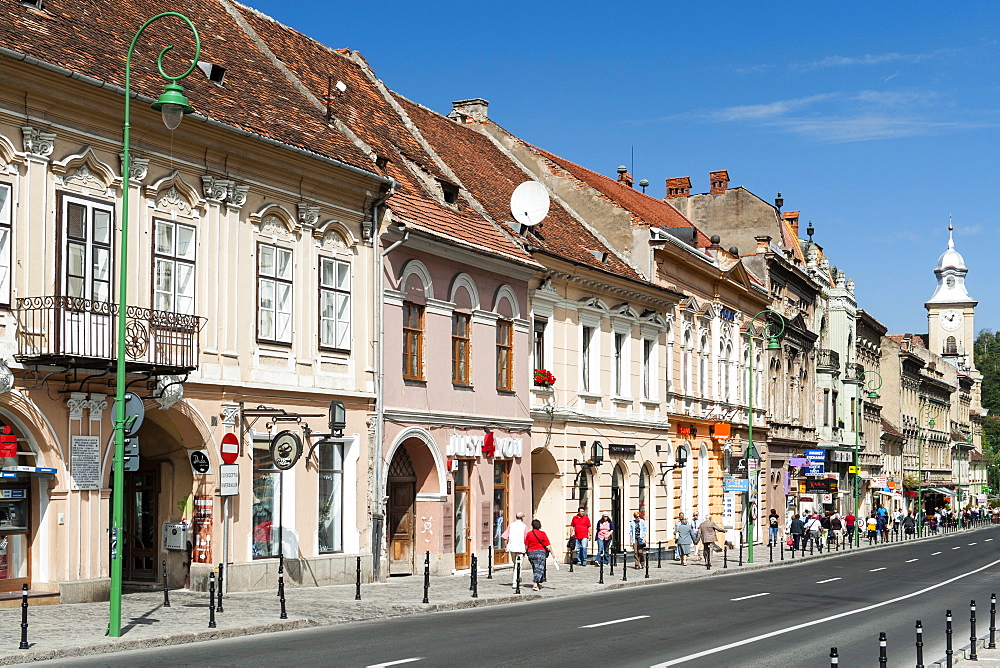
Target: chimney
(792, 218)
(719, 180)
(679, 186)
(624, 177)
(469, 111)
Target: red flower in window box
(544, 378)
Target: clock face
(951, 319)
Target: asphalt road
(788, 616)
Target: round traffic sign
(230, 448)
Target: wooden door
(141, 547)
(463, 527)
(402, 520)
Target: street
(787, 616)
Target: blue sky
(876, 120)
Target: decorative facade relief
(272, 226)
(96, 404)
(230, 413)
(215, 189)
(169, 390)
(76, 403)
(38, 143)
(308, 214)
(236, 196)
(137, 168)
(173, 192)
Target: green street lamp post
(931, 414)
(772, 344)
(863, 386)
(172, 105)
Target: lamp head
(597, 453)
(172, 105)
(772, 343)
(873, 394)
(337, 417)
(682, 456)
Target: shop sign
(842, 456)
(820, 485)
(687, 431)
(910, 495)
(85, 462)
(735, 485)
(11, 494)
(737, 465)
(8, 443)
(202, 524)
(816, 455)
(827, 498)
(816, 469)
(879, 482)
(200, 463)
(798, 461)
(472, 446)
(853, 469)
(618, 449)
(753, 464)
(728, 510)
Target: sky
(878, 121)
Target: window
(460, 348)
(334, 304)
(620, 362)
(5, 242)
(853, 408)
(539, 342)
(703, 368)
(274, 293)
(833, 408)
(266, 497)
(331, 496)
(648, 366)
(173, 267)
(826, 408)
(686, 365)
(413, 341)
(585, 357)
(950, 346)
(505, 355)
(87, 253)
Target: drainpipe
(378, 513)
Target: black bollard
(770, 552)
(645, 562)
(741, 548)
(281, 589)
(475, 576)
(882, 658)
(612, 553)
(489, 563)
(920, 645)
(427, 575)
(601, 564)
(624, 567)
(993, 622)
(972, 631)
(357, 581)
(472, 572)
(517, 577)
(211, 600)
(218, 608)
(166, 592)
(24, 618)
(659, 554)
(834, 658)
(725, 553)
(572, 550)
(947, 639)
(781, 549)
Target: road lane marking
(957, 547)
(827, 580)
(877, 569)
(743, 598)
(971, 543)
(910, 561)
(614, 621)
(809, 624)
(396, 663)
(987, 540)
(935, 553)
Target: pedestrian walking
(637, 536)
(580, 526)
(681, 517)
(514, 535)
(797, 529)
(603, 532)
(872, 526)
(685, 536)
(538, 548)
(773, 526)
(695, 548)
(882, 526)
(707, 537)
(849, 522)
(909, 524)
(836, 527)
(812, 529)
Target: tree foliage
(986, 355)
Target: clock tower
(950, 311)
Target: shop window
(266, 488)
(334, 304)
(173, 267)
(331, 496)
(505, 355)
(274, 294)
(413, 341)
(501, 501)
(461, 345)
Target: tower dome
(951, 272)
(951, 258)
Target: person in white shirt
(515, 544)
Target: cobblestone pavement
(79, 629)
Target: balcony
(827, 360)
(75, 332)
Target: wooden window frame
(7, 224)
(505, 356)
(415, 335)
(461, 349)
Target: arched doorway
(544, 471)
(703, 482)
(647, 499)
(617, 506)
(687, 483)
(402, 492)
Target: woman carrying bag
(538, 547)
(685, 534)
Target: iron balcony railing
(71, 331)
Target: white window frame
(588, 334)
(170, 258)
(90, 247)
(6, 240)
(270, 280)
(620, 353)
(340, 292)
(650, 364)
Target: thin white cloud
(865, 60)
(839, 130)
(765, 111)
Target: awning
(940, 490)
(896, 495)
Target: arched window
(950, 346)
(618, 505)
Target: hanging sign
(842, 456)
(286, 448)
(200, 463)
(735, 485)
(815, 469)
(816, 455)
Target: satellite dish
(529, 203)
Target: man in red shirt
(581, 533)
(849, 520)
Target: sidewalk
(57, 631)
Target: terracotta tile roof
(490, 176)
(916, 340)
(92, 37)
(789, 240)
(645, 210)
(891, 429)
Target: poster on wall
(85, 462)
(203, 511)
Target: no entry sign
(230, 448)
